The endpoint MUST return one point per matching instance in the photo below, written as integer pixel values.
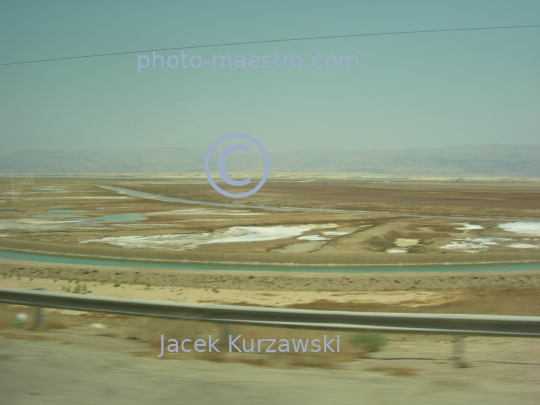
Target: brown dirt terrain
(427, 198)
(355, 238)
(523, 302)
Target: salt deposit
(468, 227)
(474, 244)
(189, 241)
(525, 228)
(396, 250)
(523, 246)
(312, 237)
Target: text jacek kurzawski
(241, 345)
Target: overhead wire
(272, 41)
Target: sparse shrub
(371, 342)
(215, 290)
(116, 285)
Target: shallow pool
(56, 216)
(120, 218)
(104, 218)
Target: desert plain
(296, 220)
(330, 242)
(350, 235)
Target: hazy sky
(421, 90)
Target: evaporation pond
(66, 211)
(56, 216)
(121, 218)
(60, 213)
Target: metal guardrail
(449, 324)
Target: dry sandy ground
(501, 372)
(276, 298)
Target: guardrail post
(224, 332)
(458, 352)
(38, 315)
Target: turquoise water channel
(67, 211)
(441, 268)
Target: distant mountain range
(490, 160)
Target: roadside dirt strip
(267, 281)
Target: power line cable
(273, 41)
